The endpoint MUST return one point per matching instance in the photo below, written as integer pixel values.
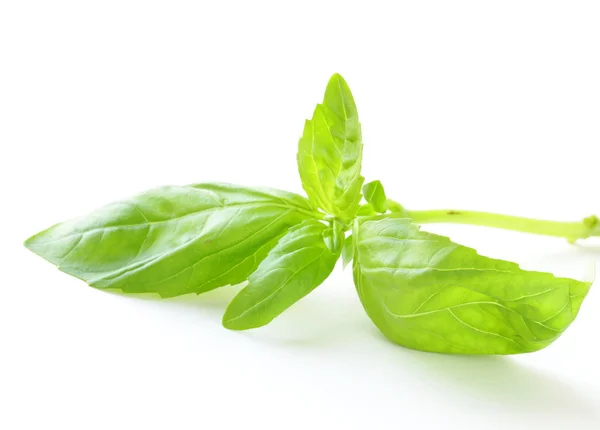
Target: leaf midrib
(278, 290)
(150, 223)
(128, 271)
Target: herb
(426, 292)
(420, 289)
(298, 264)
(375, 195)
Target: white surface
(483, 105)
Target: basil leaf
(347, 251)
(425, 292)
(298, 264)
(395, 207)
(330, 153)
(366, 210)
(174, 240)
(334, 237)
(375, 194)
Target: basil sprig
(420, 289)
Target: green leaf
(334, 237)
(347, 251)
(375, 194)
(298, 264)
(366, 210)
(330, 153)
(425, 292)
(395, 207)
(174, 240)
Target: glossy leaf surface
(330, 153)
(174, 240)
(298, 264)
(425, 292)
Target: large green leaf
(330, 152)
(298, 264)
(425, 292)
(174, 240)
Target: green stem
(569, 230)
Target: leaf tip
(228, 324)
(233, 319)
(336, 77)
(233, 322)
(30, 242)
(337, 83)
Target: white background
(469, 105)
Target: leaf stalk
(571, 231)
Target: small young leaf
(334, 237)
(366, 210)
(347, 251)
(298, 264)
(374, 194)
(395, 207)
(173, 240)
(330, 153)
(425, 292)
